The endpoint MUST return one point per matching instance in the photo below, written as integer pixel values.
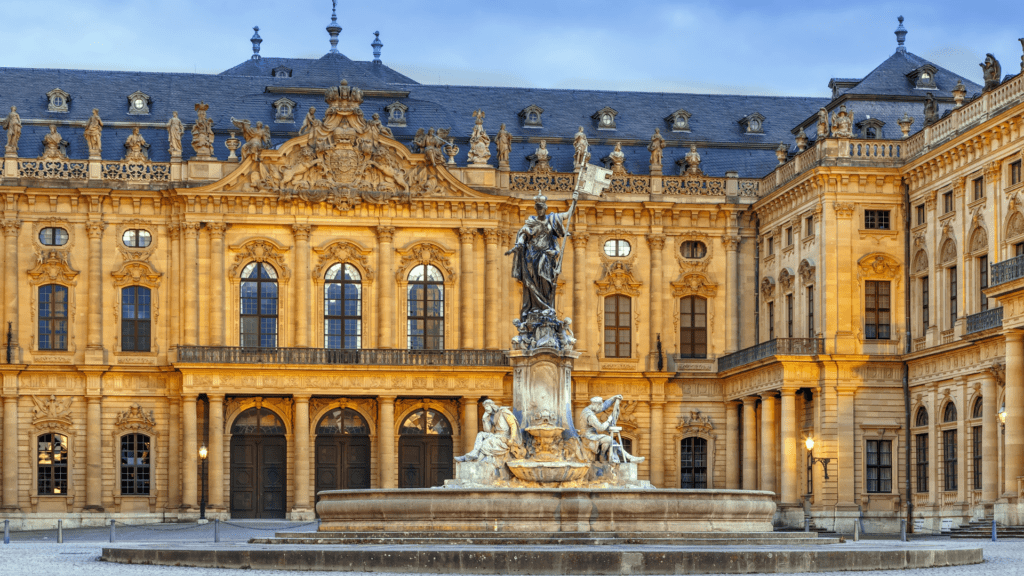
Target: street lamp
(1002, 417)
(202, 501)
(824, 461)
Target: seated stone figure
(500, 437)
(594, 436)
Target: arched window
(617, 248)
(617, 326)
(52, 471)
(135, 464)
(426, 308)
(259, 306)
(693, 327)
(135, 319)
(53, 317)
(922, 417)
(258, 421)
(978, 408)
(342, 421)
(693, 453)
(343, 307)
(53, 236)
(949, 414)
(427, 422)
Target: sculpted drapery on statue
(12, 123)
(500, 438)
(256, 137)
(202, 132)
(54, 145)
(174, 132)
(94, 134)
(135, 147)
(537, 257)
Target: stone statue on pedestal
(135, 147)
(503, 142)
(202, 132)
(501, 436)
(54, 145)
(655, 147)
(842, 123)
(596, 436)
(479, 142)
(174, 132)
(94, 134)
(12, 123)
(992, 72)
(581, 151)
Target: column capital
(215, 397)
(656, 242)
(467, 235)
(191, 229)
(302, 231)
(491, 235)
(579, 239)
(217, 229)
(750, 400)
(387, 398)
(731, 243)
(174, 231)
(95, 229)
(11, 227)
(301, 397)
(189, 397)
(385, 233)
(773, 394)
(1013, 335)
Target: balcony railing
(322, 356)
(778, 346)
(1007, 270)
(985, 320)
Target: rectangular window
(789, 315)
(952, 296)
(789, 236)
(810, 311)
(53, 317)
(925, 318)
(879, 466)
(947, 202)
(983, 280)
(1018, 249)
(949, 472)
(693, 327)
(920, 214)
(876, 219)
(876, 310)
(134, 464)
(976, 441)
(771, 320)
(979, 188)
(617, 326)
(1015, 173)
(52, 470)
(135, 319)
(809, 223)
(771, 244)
(921, 448)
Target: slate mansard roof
(248, 90)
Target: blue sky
(740, 47)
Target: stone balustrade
(324, 356)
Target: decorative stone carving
(979, 240)
(904, 123)
(617, 278)
(679, 121)
(53, 267)
(786, 280)
(136, 272)
(202, 133)
(57, 100)
(695, 422)
(844, 209)
(12, 124)
(801, 141)
(998, 371)
(691, 162)
(54, 146)
(503, 143)
(260, 250)
(479, 142)
(174, 131)
(377, 129)
(822, 123)
(655, 148)
(581, 149)
(879, 266)
(948, 253)
(232, 144)
(342, 251)
(959, 93)
(136, 147)
(138, 103)
(596, 436)
(135, 419)
(52, 413)
(615, 160)
(256, 138)
(500, 438)
(781, 153)
(1015, 225)
(284, 111)
(921, 262)
(94, 134)
(767, 288)
(693, 284)
(540, 159)
(309, 122)
(425, 253)
(842, 123)
(807, 272)
(992, 72)
(931, 110)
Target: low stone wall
(542, 510)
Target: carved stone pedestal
(542, 386)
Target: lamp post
(203, 452)
(824, 461)
(1002, 418)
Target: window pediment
(136, 272)
(260, 250)
(806, 271)
(880, 266)
(135, 419)
(342, 251)
(52, 413)
(695, 423)
(53, 267)
(693, 283)
(426, 253)
(617, 278)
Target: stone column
(579, 289)
(750, 443)
(491, 317)
(10, 453)
(732, 445)
(173, 453)
(790, 460)
(933, 450)
(844, 446)
(174, 284)
(302, 432)
(732, 266)
(94, 452)
(1014, 442)
(656, 243)
(11, 228)
(387, 448)
(190, 450)
(191, 289)
(385, 287)
(769, 444)
(467, 289)
(217, 303)
(217, 451)
(990, 439)
(657, 456)
(302, 302)
(470, 422)
(94, 338)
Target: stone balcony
(984, 321)
(776, 347)
(327, 357)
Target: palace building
(299, 265)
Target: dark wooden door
(342, 463)
(259, 468)
(424, 461)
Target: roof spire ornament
(901, 36)
(333, 29)
(377, 45)
(256, 41)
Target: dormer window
(285, 111)
(923, 78)
(396, 113)
(753, 124)
(138, 103)
(679, 121)
(281, 72)
(871, 128)
(531, 116)
(605, 118)
(58, 100)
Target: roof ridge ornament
(377, 45)
(256, 41)
(901, 36)
(333, 29)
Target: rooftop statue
(54, 145)
(540, 159)
(991, 71)
(655, 148)
(256, 137)
(94, 134)
(500, 438)
(202, 132)
(931, 110)
(378, 129)
(693, 161)
(822, 123)
(135, 147)
(174, 132)
(581, 152)
(12, 123)
(842, 123)
(479, 142)
(503, 142)
(309, 122)
(616, 159)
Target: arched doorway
(342, 451)
(259, 465)
(425, 455)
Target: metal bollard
(856, 531)
(60, 531)
(903, 529)
(111, 530)
(807, 524)
(994, 537)
(216, 530)
(7, 531)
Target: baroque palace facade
(324, 303)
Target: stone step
(515, 540)
(564, 535)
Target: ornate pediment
(136, 272)
(879, 265)
(52, 413)
(786, 279)
(342, 251)
(260, 250)
(618, 279)
(135, 419)
(695, 423)
(767, 288)
(426, 253)
(52, 267)
(921, 262)
(806, 271)
(689, 284)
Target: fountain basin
(547, 472)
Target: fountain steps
(546, 539)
